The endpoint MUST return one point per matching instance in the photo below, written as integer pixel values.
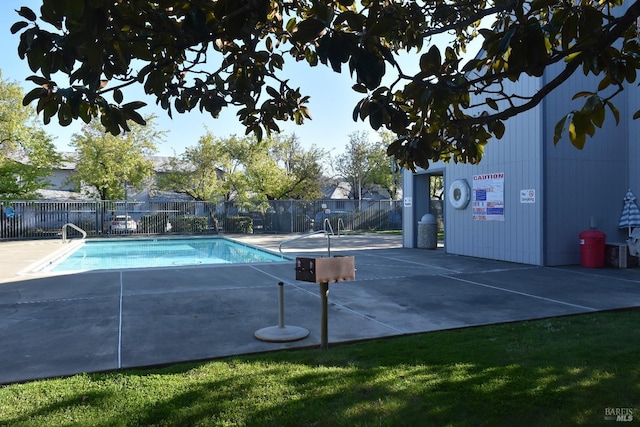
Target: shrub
(238, 224)
(190, 224)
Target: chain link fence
(44, 219)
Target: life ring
(459, 194)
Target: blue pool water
(145, 253)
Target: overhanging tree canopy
(27, 153)
(209, 55)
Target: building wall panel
(518, 156)
(584, 187)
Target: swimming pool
(146, 253)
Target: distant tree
(105, 163)
(27, 153)
(208, 171)
(385, 171)
(364, 164)
(245, 170)
(306, 168)
(296, 171)
(209, 55)
(436, 187)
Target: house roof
(160, 163)
(342, 190)
(46, 194)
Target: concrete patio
(58, 325)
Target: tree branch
(617, 31)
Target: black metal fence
(44, 219)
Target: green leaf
(276, 61)
(487, 33)
(359, 88)
(577, 131)
(273, 93)
(569, 31)
(64, 115)
(50, 110)
(84, 110)
(589, 128)
(180, 105)
(430, 62)
(117, 96)
(605, 82)
(375, 118)
(308, 30)
(491, 103)
(582, 94)
(18, 26)
(356, 110)
(598, 115)
(592, 102)
(291, 25)
(38, 80)
(614, 111)
(355, 20)
(365, 106)
(630, 74)
(369, 67)
(399, 122)
(498, 129)
(338, 53)
(579, 144)
(27, 13)
(33, 95)
(134, 105)
(136, 117)
(559, 128)
(53, 13)
(472, 65)
(636, 115)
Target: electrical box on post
(325, 270)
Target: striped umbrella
(630, 212)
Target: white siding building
(572, 189)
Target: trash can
(428, 232)
(592, 248)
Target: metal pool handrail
(326, 233)
(64, 231)
(327, 223)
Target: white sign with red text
(488, 197)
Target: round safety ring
(459, 194)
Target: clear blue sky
(331, 104)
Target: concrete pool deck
(97, 321)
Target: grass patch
(554, 372)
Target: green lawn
(555, 372)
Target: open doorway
(436, 203)
(428, 197)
